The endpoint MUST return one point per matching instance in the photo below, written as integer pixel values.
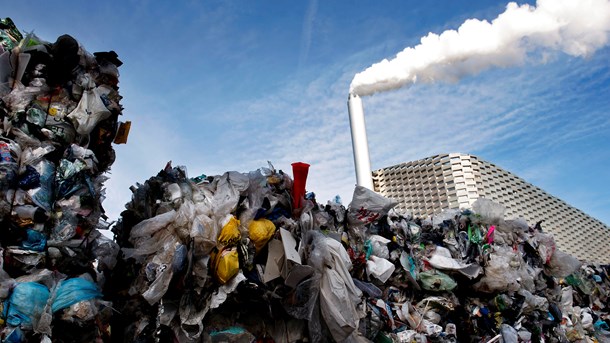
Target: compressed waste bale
(60, 107)
(330, 273)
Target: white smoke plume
(576, 27)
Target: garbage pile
(59, 108)
(244, 257)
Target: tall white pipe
(360, 145)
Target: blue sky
(229, 85)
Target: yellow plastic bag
(226, 265)
(229, 235)
(261, 231)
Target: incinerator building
(429, 185)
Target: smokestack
(360, 145)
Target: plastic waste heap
(228, 258)
(59, 107)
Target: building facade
(429, 185)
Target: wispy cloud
(306, 32)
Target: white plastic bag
(379, 268)
(338, 311)
(367, 206)
(380, 246)
(227, 192)
(150, 226)
(89, 112)
(442, 259)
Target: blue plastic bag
(26, 302)
(30, 179)
(72, 291)
(232, 334)
(34, 241)
(15, 336)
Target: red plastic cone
(299, 171)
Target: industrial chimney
(360, 145)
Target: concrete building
(427, 186)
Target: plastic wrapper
(491, 211)
(6, 282)
(230, 233)
(580, 282)
(8, 175)
(226, 265)
(340, 316)
(21, 96)
(203, 234)
(303, 301)
(233, 334)
(30, 179)
(228, 189)
(5, 153)
(59, 130)
(561, 264)
(442, 259)
(32, 155)
(43, 196)
(335, 283)
(341, 263)
(261, 231)
(567, 299)
(152, 225)
(447, 214)
(65, 228)
(81, 311)
(26, 303)
(72, 291)
(502, 272)
(379, 245)
(533, 302)
(34, 241)
(546, 246)
(379, 268)
(220, 296)
(433, 280)
(159, 273)
(26, 260)
(368, 288)
(89, 112)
